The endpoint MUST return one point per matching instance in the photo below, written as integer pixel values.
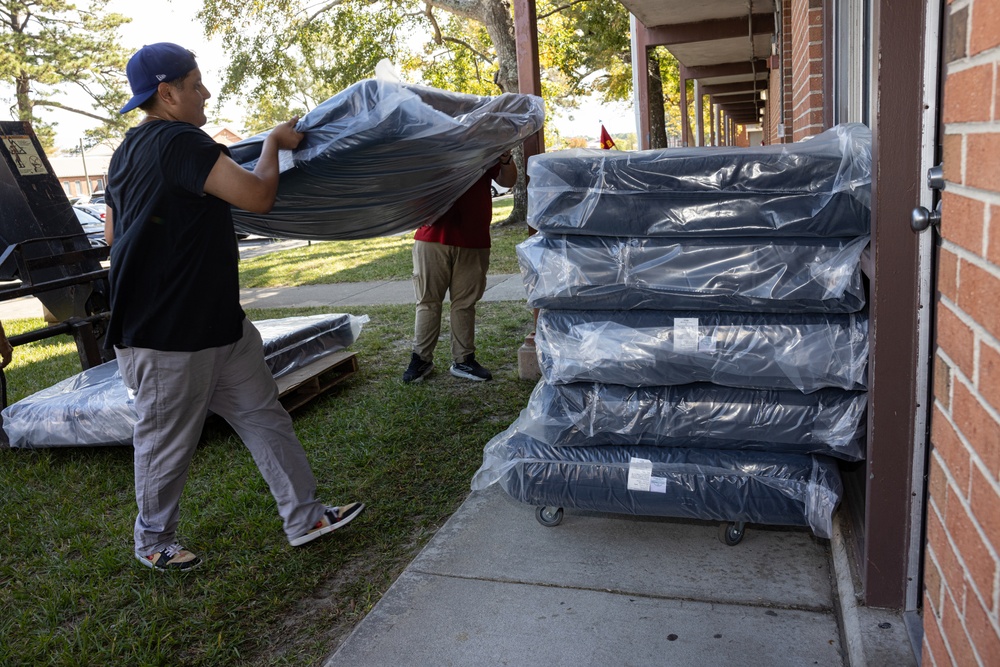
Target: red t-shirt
(467, 223)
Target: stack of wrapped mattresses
(93, 408)
(702, 332)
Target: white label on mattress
(685, 334)
(639, 473)
(658, 484)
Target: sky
(174, 21)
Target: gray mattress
(819, 188)
(755, 487)
(582, 414)
(93, 408)
(786, 275)
(381, 158)
(653, 347)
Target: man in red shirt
(451, 256)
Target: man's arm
(109, 228)
(508, 171)
(253, 191)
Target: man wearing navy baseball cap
(183, 343)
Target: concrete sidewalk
(495, 587)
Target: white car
(497, 190)
(93, 227)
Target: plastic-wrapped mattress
(582, 414)
(93, 407)
(765, 275)
(652, 347)
(820, 187)
(755, 487)
(294, 342)
(380, 158)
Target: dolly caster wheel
(549, 516)
(731, 534)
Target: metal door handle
(921, 218)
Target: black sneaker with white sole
(418, 369)
(470, 370)
(173, 558)
(332, 519)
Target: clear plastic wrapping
(381, 157)
(295, 342)
(708, 484)
(651, 347)
(820, 187)
(763, 275)
(829, 421)
(93, 407)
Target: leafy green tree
(48, 47)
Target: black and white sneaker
(332, 519)
(418, 369)
(173, 558)
(470, 370)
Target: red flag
(606, 141)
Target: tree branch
(559, 9)
(64, 107)
(484, 56)
(328, 6)
(429, 13)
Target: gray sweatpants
(173, 393)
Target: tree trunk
(25, 108)
(496, 16)
(657, 120)
(499, 24)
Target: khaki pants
(459, 272)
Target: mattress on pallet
(820, 187)
(583, 414)
(294, 342)
(764, 275)
(707, 484)
(655, 347)
(382, 157)
(93, 408)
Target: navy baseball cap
(153, 64)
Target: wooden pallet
(303, 385)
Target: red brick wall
(961, 597)
(807, 68)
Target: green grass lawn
(72, 593)
(386, 258)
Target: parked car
(93, 227)
(96, 210)
(498, 190)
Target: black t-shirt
(174, 274)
